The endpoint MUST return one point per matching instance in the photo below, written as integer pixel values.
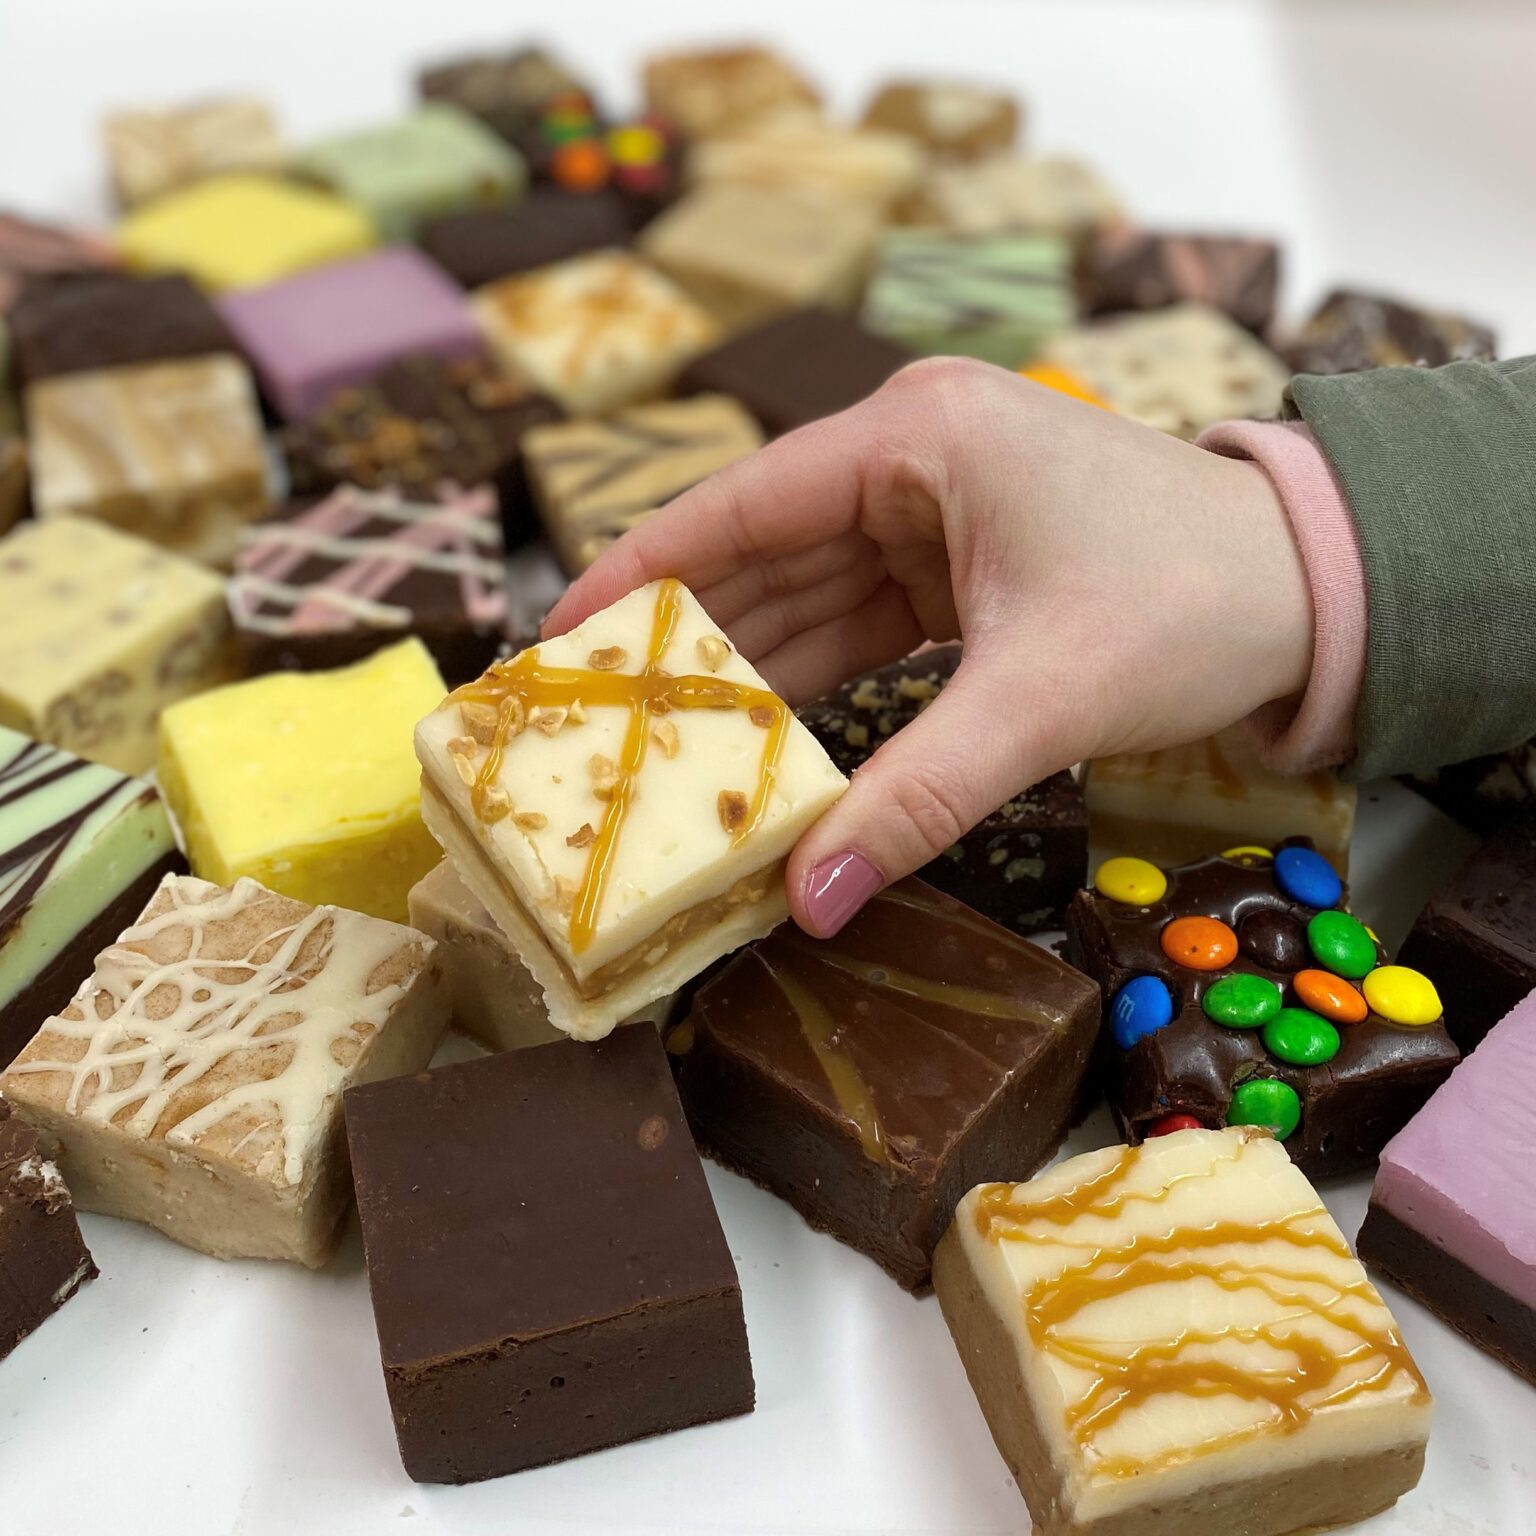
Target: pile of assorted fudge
(292, 461)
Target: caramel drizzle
(1130, 1376)
(513, 687)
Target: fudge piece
(996, 297)
(746, 253)
(43, 1258)
(110, 321)
(1478, 934)
(1350, 331)
(1021, 865)
(100, 632)
(1179, 369)
(437, 160)
(1052, 196)
(305, 781)
(1144, 269)
(316, 333)
(1176, 1337)
(522, 1318)
(1238, 990)
(870, 1079)
(1184, 802)
(194, 1082)
(33, 253)
(595, 480)
(324, 584)
(622, 798)
(595, 332)
(14, 480)
(549, 225)
(82, 848)
(953, 119)
(1482, 793)
(151, 152)
(1452, 1218)
(715, 90)
(170, 451)
(796, 368)
(506, 92)
(240, 231)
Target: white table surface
(1387, 144)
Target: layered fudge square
(507, 92)
(549, 225)
(954, 119)
(1350, 331)
(172, 452)
(340, 325)
(595, 480)
(996, 297)
(305, 781)
(1021, 865)
(101, 632)
(872, 1078)
(194, 1082)
(622, 798)
(1176, 1337)
(1239, 990)
(524, 1319)
(243, 230)
(709, 91)
(82, 848)
(151, 152)
(1051, 195)
(1146, 269)
(32, 253)
(593, 333)
(746, 253)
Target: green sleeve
(1439, 466)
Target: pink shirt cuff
(1318, 730)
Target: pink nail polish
(838, 886)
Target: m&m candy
(1275, 940)
(1402, 995)
(1132, 881)
(1267, 1102)
(1341, 943)
(1241, 1001)
(1247, 852)
(1306, 876)
(1141, 1007)
(1201, 943)
(1331, 996)
(1301, 1037)
(1166, 1125)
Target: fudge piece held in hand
(151, 152)
(1143, 269)
(623, 798)
(547, 226)
(1052, 195)
(870, 1079)
(1239, 990)
(524, 1319)
(194, 1083)
(1176, 1338)
(1351, 331)
(953, 119)
(715, 90)
(1452, 1218)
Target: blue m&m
(1141, 1007)
(1307, 877)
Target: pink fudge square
(341, 324)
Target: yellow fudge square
(243, 231)
(307, 782)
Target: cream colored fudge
(1176, 1338)
(622, 799)
(155, 151)
(955, 119)
(195, 1081)
(1051, 195)
(711, 90)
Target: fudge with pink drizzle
(1452, 1218)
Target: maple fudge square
(194, 1083)
(151, 152)
(170, 451)
(712, 90)
(956, 119)
(622, 799)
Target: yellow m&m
(1402, 995)
(1133, 881)
(1247, 851)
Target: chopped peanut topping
(531, 821)
(461, 746)
(495, 803)
(548, 718)
(480, 721)
(608, 658)
(712, 651)
(732, 807)
(665, 734)
(605, 775)
(578, 712)
(463, 767)
(582, 837)
(761, 715)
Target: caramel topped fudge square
(712, 90)
(150, 152)
(195, 1081)
(622, 798)
(953, 118)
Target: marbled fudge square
(1048, 195)
(150, 152)
(712, 90)
(955, 119)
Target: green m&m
(1301, 1037)
(1266, 1102)
(1341, 944)
(1241, 1001)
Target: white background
(1392, 144)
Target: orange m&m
(1201, 943)
(1331, 996)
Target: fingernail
(837, 888)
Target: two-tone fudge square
(101, 632)
(712, 90)
(623, 799)
(154, 151)
(194, 1082)
(1128, 268)
(1176, 1337)
(549, 225)
(1049, 195)
(954, 119)
(1350, 331)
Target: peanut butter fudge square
(194, 1083)
(622, 799)
(1175, 1340)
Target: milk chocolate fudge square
(1021, 865)
(1176, 1338)
(525, 1318)
(547, 226)
(869, 1079)
(194, 1083)
(1351, 331)
(1129, 268)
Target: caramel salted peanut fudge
(622, 799)
(1176, 1338)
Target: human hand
(1116, 589)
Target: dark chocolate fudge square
(796, 368)
(1477, 937)
(872, 1079)
(1483, 793)
(1351, 331)
(548, 1273)
(549, 225)
(1024, 862)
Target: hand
(1116, 589)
